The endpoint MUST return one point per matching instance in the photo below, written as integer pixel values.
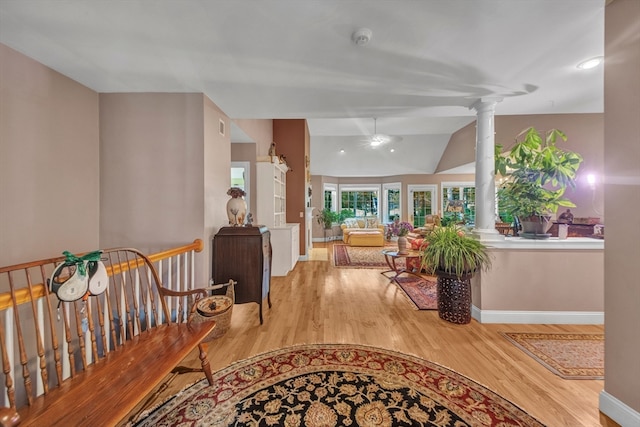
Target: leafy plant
(450, 250)
(452, 218)
(327, 217)
(346, 213)
(537, 173)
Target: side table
(390, 256)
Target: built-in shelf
(271, 211)
(271, 193)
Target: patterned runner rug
(421, 291)
(337, 385)
(361, 256)
(570, 356)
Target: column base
(487, 234)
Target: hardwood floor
(319, 303)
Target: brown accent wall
(622, 200)
(49, 162)
(291, 137)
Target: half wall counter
(542, 281)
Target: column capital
(486, 103)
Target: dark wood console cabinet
(244, 255)
(575, 230)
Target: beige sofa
(363, 232)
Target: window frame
(385, 199)
(361, 187)
(459, 185)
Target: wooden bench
(90, 363)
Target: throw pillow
(372, 223)
(351, 223)
(419, 244)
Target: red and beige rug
(337, 385)
(360, 256)
(423, 292)
(570, 356)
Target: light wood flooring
(319, 303)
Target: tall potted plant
(454, 257)
(326, 217)
(535, 175)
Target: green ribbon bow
(79, 261)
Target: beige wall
(540, 280)
(149, 141)
(260, 131)
(49, 162)
(164, 171)
(217, 178)
(622, 188)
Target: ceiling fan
(378, 139)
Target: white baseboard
(328, 239)
(618, 411)
(538, 317)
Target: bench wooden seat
(80, 364)
(111, 388)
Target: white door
(422, 200)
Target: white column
(485, 225)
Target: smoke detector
(361, 36)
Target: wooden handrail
(197, 246)
(23, 295)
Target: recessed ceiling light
(342, 150)
(392, 150)
(590, 63)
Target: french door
(422, 201)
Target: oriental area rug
(361, 256)
(421, 291)
(337, 385)
(570, 356)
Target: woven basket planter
(218, 308)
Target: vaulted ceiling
(424, 65)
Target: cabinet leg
(260, 309)
(269, 298)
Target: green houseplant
(454, 257)
(535, 175)
(327, 217)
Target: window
(360, 200)
(459, 202)
(330, 197)
(391, 201)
